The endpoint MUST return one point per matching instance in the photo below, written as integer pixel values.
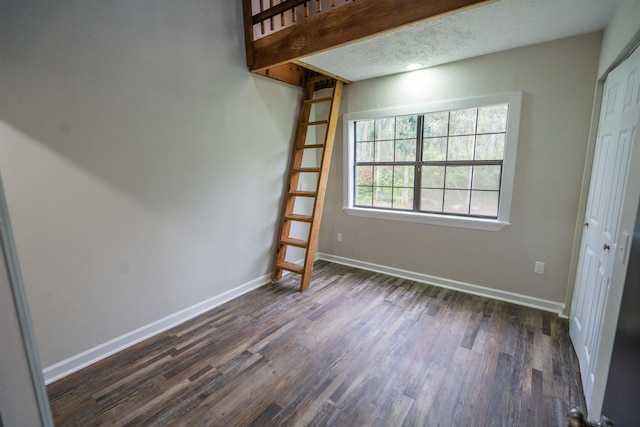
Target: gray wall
(143, 165)
(621, 34)
(558, 79)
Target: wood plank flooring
(356, 349)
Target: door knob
(606, 247)
(577, 419)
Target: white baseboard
(469, 288)
(75, 363)
(102, 351)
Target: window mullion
(446, 157)
(355, 151)
(417, 176)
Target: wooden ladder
(304, 148)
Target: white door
(616, 129)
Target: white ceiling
(494, 27)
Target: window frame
(513, 99)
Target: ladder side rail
(292, 181)
(322, 184)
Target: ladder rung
(317, 122)
(298, 217)
(317, 100)
(295, 242)
(299, 193)
(309, 146)
(307, 169)
(290, 266)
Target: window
(447, 163)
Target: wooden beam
(288, 73)
(323, 72)
(248, 30)
(355, 21)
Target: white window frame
(514, 99)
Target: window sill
(422, 218)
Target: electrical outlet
(339, 237)
(539, 268)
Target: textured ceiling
(502, 25)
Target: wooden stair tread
(298, 217)
(290, 266)
(307, 169)
(294, 242)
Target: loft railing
(278, 33)
(269, 16)
(263, 18)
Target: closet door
(616, 129)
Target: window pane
(492, 119)
(384, 151)
(458, 177)
(385, 128)
(364, 130)
(364, 175)
(431, 200)
(406, 127)
(463, 122)
(364, 151)
(405, 150)
(490, 147)
(403, 176)
(434, 149)
(460, 148)
(436, 124)
(382, 197)
(432, 176)
(456, 201)
(484, 203)
(403, 198)
(486, 178)
(364, 196)
(383, 176)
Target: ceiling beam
(350, 23)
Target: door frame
(628, 211)
(30, 350)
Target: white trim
(525, 300)
(514, 99)
(424, 218)
(75, 363)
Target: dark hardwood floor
(356, 349)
